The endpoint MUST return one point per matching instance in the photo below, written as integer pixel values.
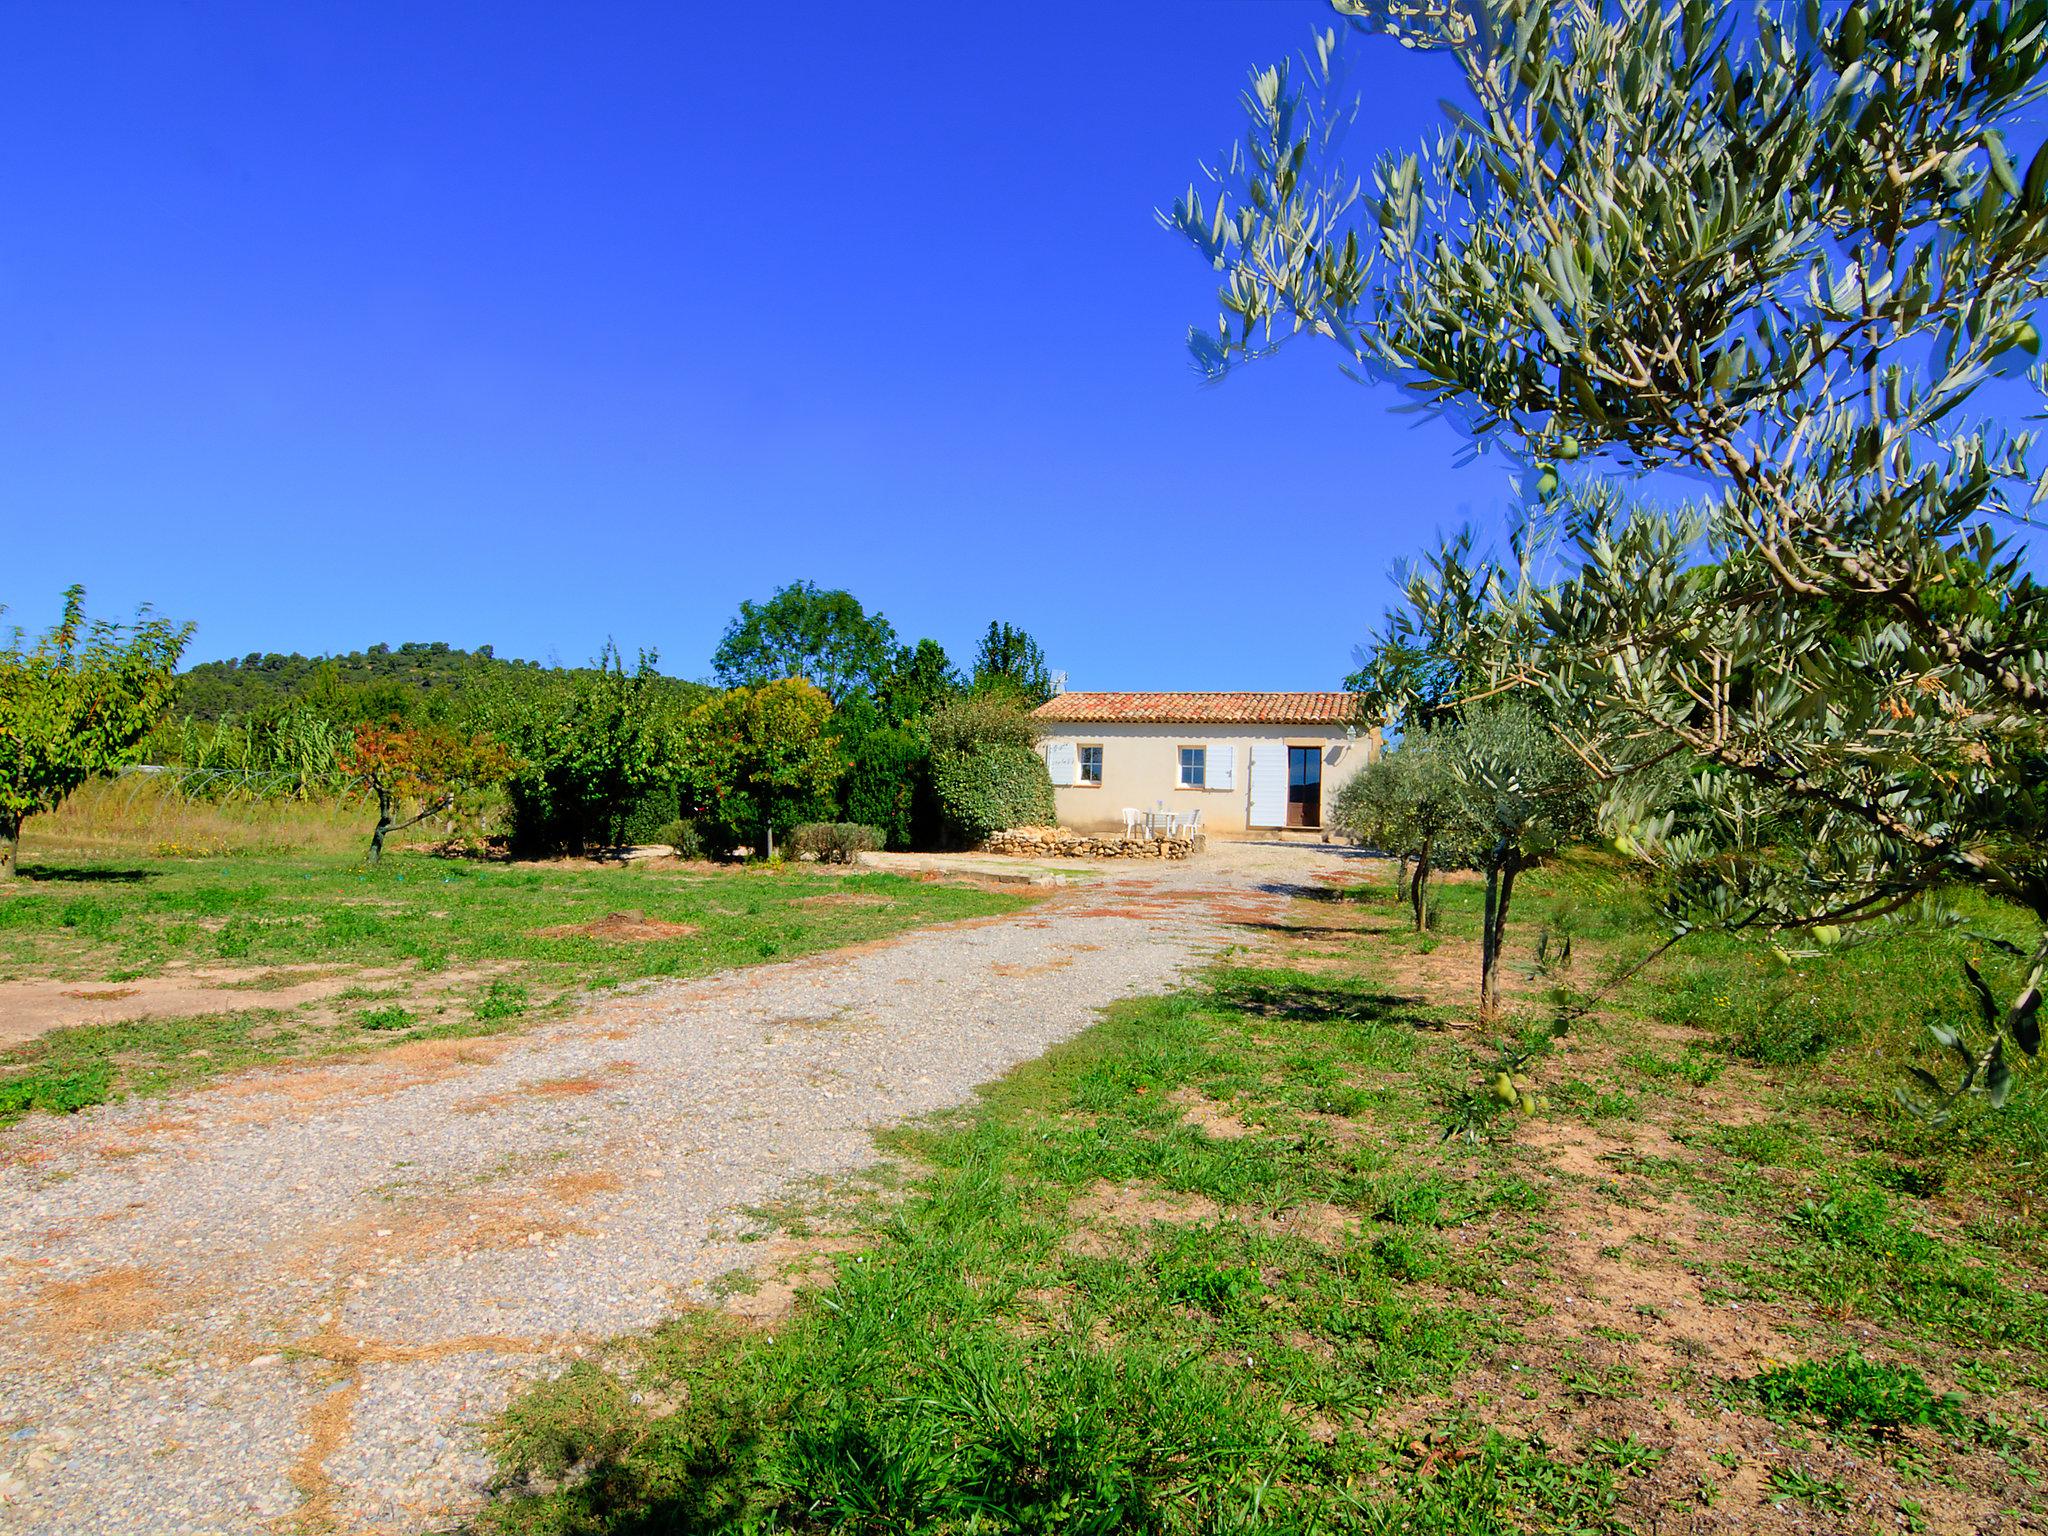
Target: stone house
(1252, 763)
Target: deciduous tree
(823, 637)
(77, 704)
(422, 767)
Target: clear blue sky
(537, 324)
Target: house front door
(1304, 786)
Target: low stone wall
(1059, 843)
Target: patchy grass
(1258, 1257)
(456, 947)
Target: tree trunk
(1418, 889)
(1500, 891)
(383, 826)
(10, 844)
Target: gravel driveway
(289, 1300)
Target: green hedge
(991, 788)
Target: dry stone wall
(1060, 843)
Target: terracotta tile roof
(1203, 708)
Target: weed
(392, 1016)
(1828, 1494)
(1852, 1392)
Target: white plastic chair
(1132, 816)
(1193, 824)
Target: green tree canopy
(757, 762)
(75, 705)
(1010, 661)
(1790, 255)
(826, 638)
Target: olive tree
(1408, 802)
(1793, 257)
(75, 705)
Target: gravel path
(288, 1301)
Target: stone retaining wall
(1059, 843)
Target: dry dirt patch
(1206, 1115)
(32, 1008)
(629, 927)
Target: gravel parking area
(288, 1301)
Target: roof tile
(1203, 708)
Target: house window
(1091, 765)
(1194, 767)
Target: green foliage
(1850, 1392)
(1012, 664)
(416, 681)
(75, 705)
(985, 776)
(1409, 802)
(292, 753)
(392, 1016)
(920, 679)
(1815, 260)
(592, 745)
(54, 1093)
(428, 767)
(834, 842)
(824, 638)
(685, 837)
(757, 762)
(503, 999)
(888, 772)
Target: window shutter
(1269, 784)
(1223, 767)
(1059, 762)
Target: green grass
(422, 917)
(1019, 1351)
(1850, 1392)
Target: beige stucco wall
(1141, 766)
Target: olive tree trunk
(1501, 870)
(10, 843)
(1418, 886)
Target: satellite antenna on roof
(1059, 682)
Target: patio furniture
(1133, 817)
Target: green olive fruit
(1527, 1104)
(2027, 339)
(1828, 934)
(1521, 1083)
(1504, 1089)
(1569, 448)
(1546, 482)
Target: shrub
(834, 842)
(1850, 1391)
(888, 773)
(985, 776)
(686, 837)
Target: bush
(686, 837)
(888, 773)
(985, 776)
(834, 842)
(991, 790)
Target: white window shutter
(1059, 762)
(1269, 784)
(1223, 767)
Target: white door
(1269, 784)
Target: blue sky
(534, 325)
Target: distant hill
(370, 684)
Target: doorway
(1304, 786)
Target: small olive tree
(75, 705)
(1410, 803)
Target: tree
(1784, 258)
(758, 761)
(825, 638)
(592, 745)
(1524, 795)
(426, 766)
(920, 678)
(77, 705)
(1409, 802)
(1011, 662)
